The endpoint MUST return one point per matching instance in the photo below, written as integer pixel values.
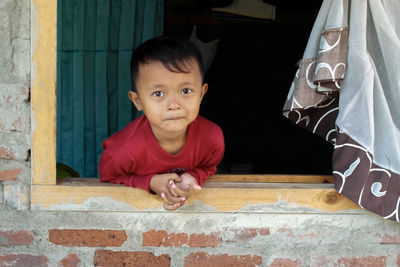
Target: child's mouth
(174, 118)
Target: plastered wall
(15, 126)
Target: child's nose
(173, 103)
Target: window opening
(249, 79)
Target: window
(221, 192)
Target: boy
(170, 150)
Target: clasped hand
(174, 189)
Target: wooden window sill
(221, 193)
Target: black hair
(173, 52)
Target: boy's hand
(185, 187)
(159, 185)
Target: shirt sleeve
(211, 160)
(112, 171)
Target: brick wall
(187, 239)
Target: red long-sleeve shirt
(133, 156)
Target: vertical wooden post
(43, 91)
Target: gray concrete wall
(67, 238)
(15, 129)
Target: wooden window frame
(221, 193)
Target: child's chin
(175, 129)
(175, 126)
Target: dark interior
(249, 80)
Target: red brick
(321, 261)
(6, 153)
(389, 239)
(72, 260)
(125, 258)
(367, 261)
(15, 238)
(87, 238)
(199, 259)
(160, 238)
(246, 234)
(25, 260)
(284, 262)
(205, 240)
(7, 175)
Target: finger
(196, 187)
(176, 178)
(172, 187)
(171, 207)
(166, 200)
(181, 192)
(180, 188)
(167, 206)
(183, 202)
(171, 199)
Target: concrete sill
(221, 193)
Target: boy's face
(170, 100)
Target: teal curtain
(95, 42)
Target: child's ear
(134, 97)
(204, 90)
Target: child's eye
(158, 93)
(186, 91)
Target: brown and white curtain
(347, 90)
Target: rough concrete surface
(15, 138)
(15, 41)
(1, 196)
(15, 108)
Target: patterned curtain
(347, 90)
(95, 42)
